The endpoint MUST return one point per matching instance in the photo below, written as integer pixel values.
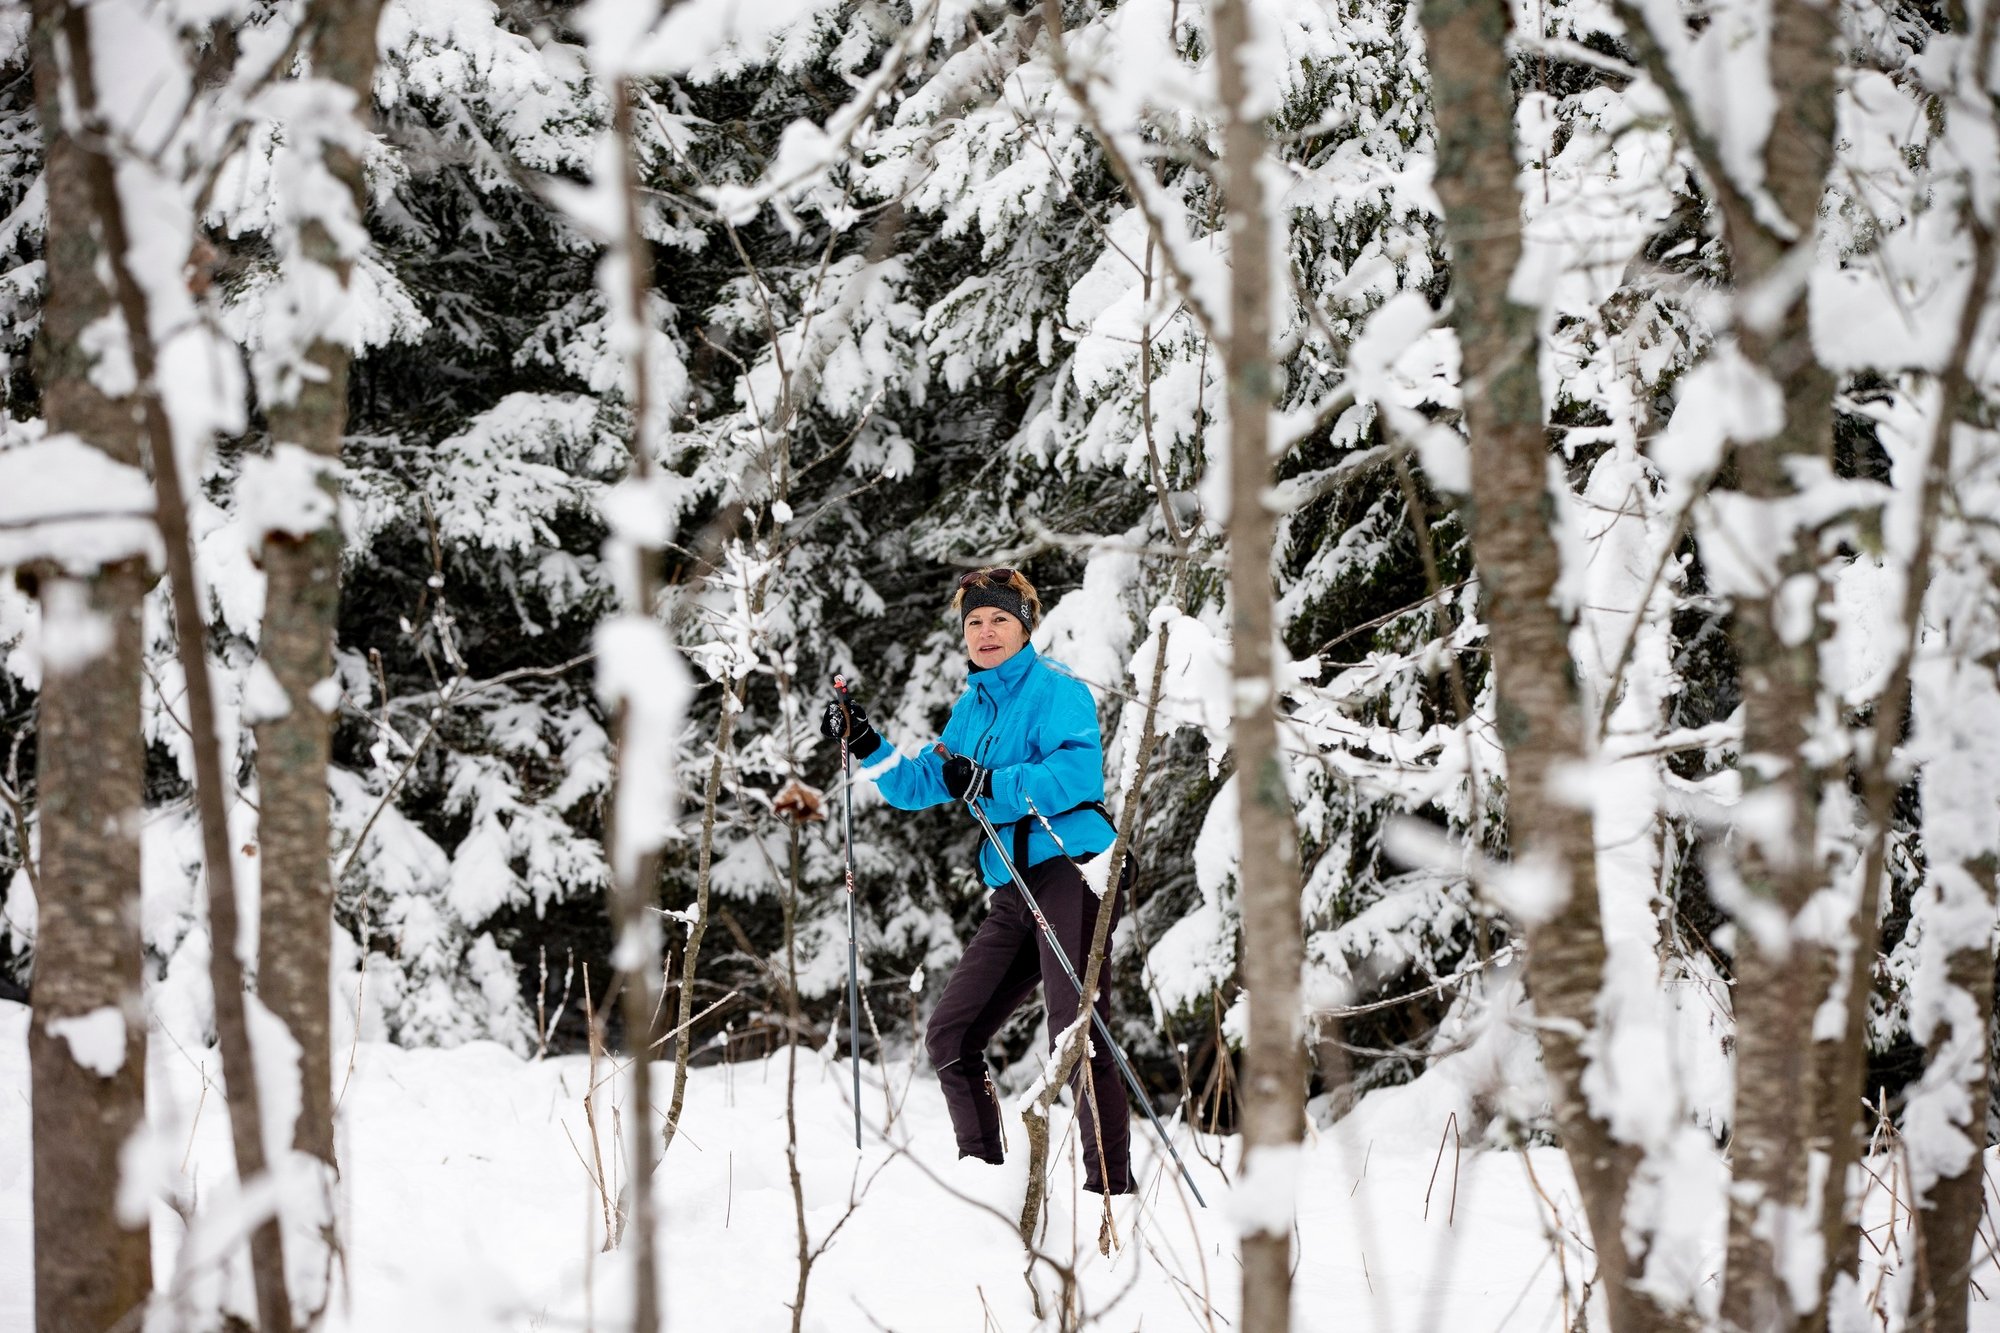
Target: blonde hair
(992, 577)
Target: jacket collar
(1007, 677)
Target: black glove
(844, 716)
(958, 778)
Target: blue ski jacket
(1035, 726)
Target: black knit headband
(1002, 598)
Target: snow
(464, 1206)
(1264, 1198)
(717, 34)
(1197, 954)
(1083, 629)
(264, 699)
(1530, 889)
(457, 50)
(967, 124)
(17, 1224)
(497, 484)
(275, 1053)
(284, 493)
(1197, 683)
(1724, 400)
(325, 694)
(1726, 69)
(72, 634)
(96, 1040)
(1401, 361)
(640, 675)
(65, 501)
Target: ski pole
(1097, 1019)
(853, 952)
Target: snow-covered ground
(466, 1205)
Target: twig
(1500, 955)
(211, 781)
(1450, 1128)
(18, 808)
(389, 795)
(1122, 168)
(9, 524)
(664, 1038)
(590, 1113)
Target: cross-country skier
(1026, 731)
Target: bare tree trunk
(1037, 1126)
(1268, 869)
(301, 611)
(267, 1260)
(1786, 1103)
(1538, 707)
(1065, 1060)
(1779, 984)
(1841, 1102)
(91, 1270)
(1957, 708)
(794, 1020)
(633, 885)
(1956, 1202)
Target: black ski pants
(1001, 966)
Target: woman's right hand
(844, 717)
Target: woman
(1026, 731)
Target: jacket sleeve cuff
(1005, 794)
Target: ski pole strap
(1024, 825)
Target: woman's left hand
(958, 777)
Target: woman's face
(992, 636)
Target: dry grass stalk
(590, 1113)
(1457, 1147)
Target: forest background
(1655, 528)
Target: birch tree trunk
(1268, 869)
(212, 787)
(1956, 702)
(1937, 574)
(1538, 707)
(91, 1270)
(302, 606)
(1788, 1102)
(1777, 631)
(635, 864)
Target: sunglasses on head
(986, 576)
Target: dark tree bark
(1537, 704)
(91, 1271)
(1962, 854)
(212, 795)
(1274, 1072)
(1957, 1201)
(1790, 1102)
(1954, 1206)
(1778, 988)
(302, 605)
